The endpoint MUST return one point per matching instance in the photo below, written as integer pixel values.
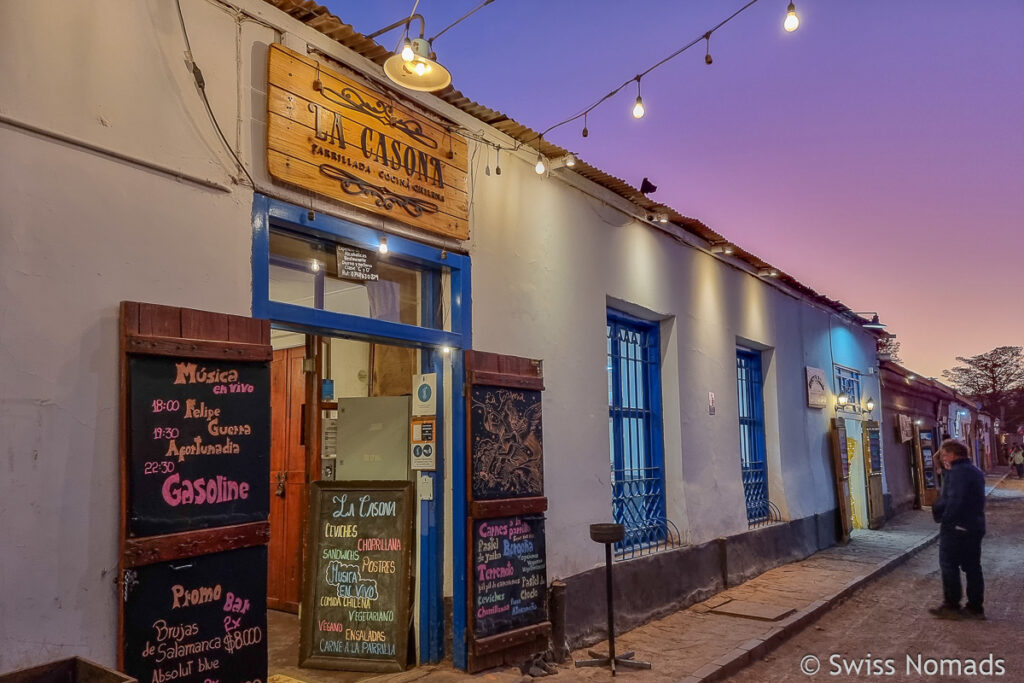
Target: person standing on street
(960, 511)
(1017, 460)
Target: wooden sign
(507, 443)
(195, 436)
(198, 620)
(509, 574)
(199, 443)
(358, 584)
(333, 135)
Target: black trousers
(961, 550)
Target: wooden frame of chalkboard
(153, 335)
(488, 649)
(358, 640)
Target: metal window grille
(634, 433)
(848, 381)
(752, 447)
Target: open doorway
(360, 394)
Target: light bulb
(446, 349)
(383, 248)
(540, 168)
(792, 20)
(407, 54)
(570, 160)
(638, 108)
(315, 266)
(420, 68)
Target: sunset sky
(876, 154)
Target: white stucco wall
(548, 259)
(81, 231)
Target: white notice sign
(424, 394)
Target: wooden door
(287, 479)
(841, 475)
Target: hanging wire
(672, 56)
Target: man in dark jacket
(960, 511)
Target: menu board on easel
(507, 570)
(359, 583)
(195, 442)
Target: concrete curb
(753, 650)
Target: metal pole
(611, 611)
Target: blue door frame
(270, 213)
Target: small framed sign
(357, 264)
(817, 391)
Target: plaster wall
(547, 261)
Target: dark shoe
(973, 613)
(946, 612)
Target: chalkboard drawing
(507, 443)
(347, 580)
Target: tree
(889, 349)
(993, 378)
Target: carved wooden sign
(337, 137)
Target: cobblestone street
(888, 619)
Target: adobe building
(275, 338)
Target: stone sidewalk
(698, 644)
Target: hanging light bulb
(541, 167)
(407, 53)
(707, 56)
(586, 131)
(383, 248)
(497, 162)
(792, 20)
(638, 108)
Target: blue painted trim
(461, 587)
(270, 213)
(354, 326)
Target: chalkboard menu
(874, 442)
(509, 574)
(507, 443)
(358, 580)
(199, 619)
(199, 443)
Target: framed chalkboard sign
(199, 443)
(197, 620)
(874, 446)
(506, 442)
(358, 587)
(509, 574)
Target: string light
(583, 114)
(707, 56)
(638, 108)
(541, 168)
(407, 54)
(792, 20)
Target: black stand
(608, 534)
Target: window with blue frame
(635, 433)
(753, 461)
(848, 382)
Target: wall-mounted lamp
(567, 161)
(315, 266)
(415, 66)
(919, 422)
(842, 400)
(869, 405)
(873, 323)
(768, 272)
(911, 377)
(722, 248)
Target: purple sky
(876, 154)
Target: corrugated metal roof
(320, 18)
